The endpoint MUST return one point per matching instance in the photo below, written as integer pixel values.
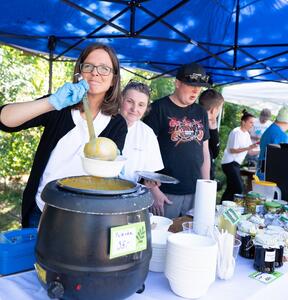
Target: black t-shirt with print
(181, 132)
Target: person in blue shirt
(274, 134)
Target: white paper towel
(204, 205)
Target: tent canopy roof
(235, 40)
(258, 95)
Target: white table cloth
(25, 286)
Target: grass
(10, 204)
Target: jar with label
(265, 252)
(253, 201)
(228, 220)
(279, 235)
(246, 233)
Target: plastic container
(160, 223)
(266, 189)
(17, 250)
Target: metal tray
(97, 185)
(157, 177)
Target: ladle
(90, 147)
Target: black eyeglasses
(194, 77)
(101, 69)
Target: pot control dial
(55, 290)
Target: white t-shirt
(141, 150)
(237, 139)
(259, 128)
(65, 159)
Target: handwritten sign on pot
(127, 239)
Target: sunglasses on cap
(197, 78)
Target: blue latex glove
(69, 94)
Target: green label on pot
(127, 239)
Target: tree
(24, 77)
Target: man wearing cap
(182, 129)
(275, 134)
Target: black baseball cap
(193, 74)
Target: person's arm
(13, 115)
(16, 114)
(159, 200)
(239, 150)
(205, 169)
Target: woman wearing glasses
(65, 130)
(141, 146)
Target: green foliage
(231, 117)
(24, 77)
(10, 205)
(160, 87)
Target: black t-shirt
(181, 132)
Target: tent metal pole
(236, 35)
(51, 47)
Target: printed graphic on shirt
(185, 130)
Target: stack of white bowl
(190, 264)
(160, 223)
(159, 245)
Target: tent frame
(132, 6)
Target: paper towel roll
(204, 205)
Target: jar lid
(228, 203)
(247, 227)
(239, 196)
(266, 240)
(264, 183)
(253, 195)
(275, 228)
(272, 204)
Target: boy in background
(212, 101)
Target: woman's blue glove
(69, 94)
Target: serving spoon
(90, 147)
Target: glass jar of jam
(239, 199)
(265, 252)
(252, 201)
(247, 248)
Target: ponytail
(246, 115)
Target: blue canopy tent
(235, 40)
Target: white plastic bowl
(160, 223)
(103, 168)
